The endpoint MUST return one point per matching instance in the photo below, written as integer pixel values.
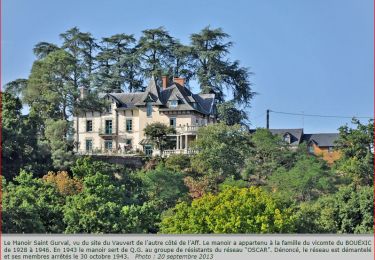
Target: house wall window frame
(89, 145)
(108, 127)
(149, 109)
(88, 125)
(129, 125)
(148, 149)
(330, 149)
(173, 122)
(108, 145)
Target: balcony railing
(106, 132)
(167, 153)
(187, 128)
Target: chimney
(164, 80)
(180, 81)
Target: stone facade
(119, 130)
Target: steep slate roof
(203, 103)
(295, 134)
(325, 139)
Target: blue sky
(312, 57)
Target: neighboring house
(121, 128)
(317, 144)
(323, 145)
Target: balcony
(187, 129)
(106, 132)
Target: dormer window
(287, 138)
(173, 103)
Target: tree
(248, 210)
(61, 146)
(42, 49)
(81, 46)
(32, 206)
(13, 141)
(119, 64)
(214, 71)
(229, 114)
(16, 87)
(178, 162)
(87, 166)
(97, 209)
(267, 152)
(183, 62)
(51, 86)
(157, 133)
(164, 187)
(222, 150)
(357, 152)
(307, 180)
(350, 210)
(155, 50)
(64, 183)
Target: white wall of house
(121, 135)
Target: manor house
(120, 129)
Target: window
(330, 149)
(149, 109)
(109, 108)
(287, 138)
(129, 125)
(108, 145)
(88, 145)
(89, 126)
(172, 122)
(129, 142)
(108, 127)
(148, 150)
(311, 148)
(173, 103)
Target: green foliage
(213, 69)
(50, 88)
(178, 162)
(157, 133)
(307, 180)
(85, 167)
(347, 211)
(42, 49)
(229, 114)
(155, 51)
(357, 155)
(97, 209)
(222, 150)
(140, 218)
(62, 155)
(164, 186)
(16, 87)
(267, 153)
(31, 206)
(119, 66)
(232, 211)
